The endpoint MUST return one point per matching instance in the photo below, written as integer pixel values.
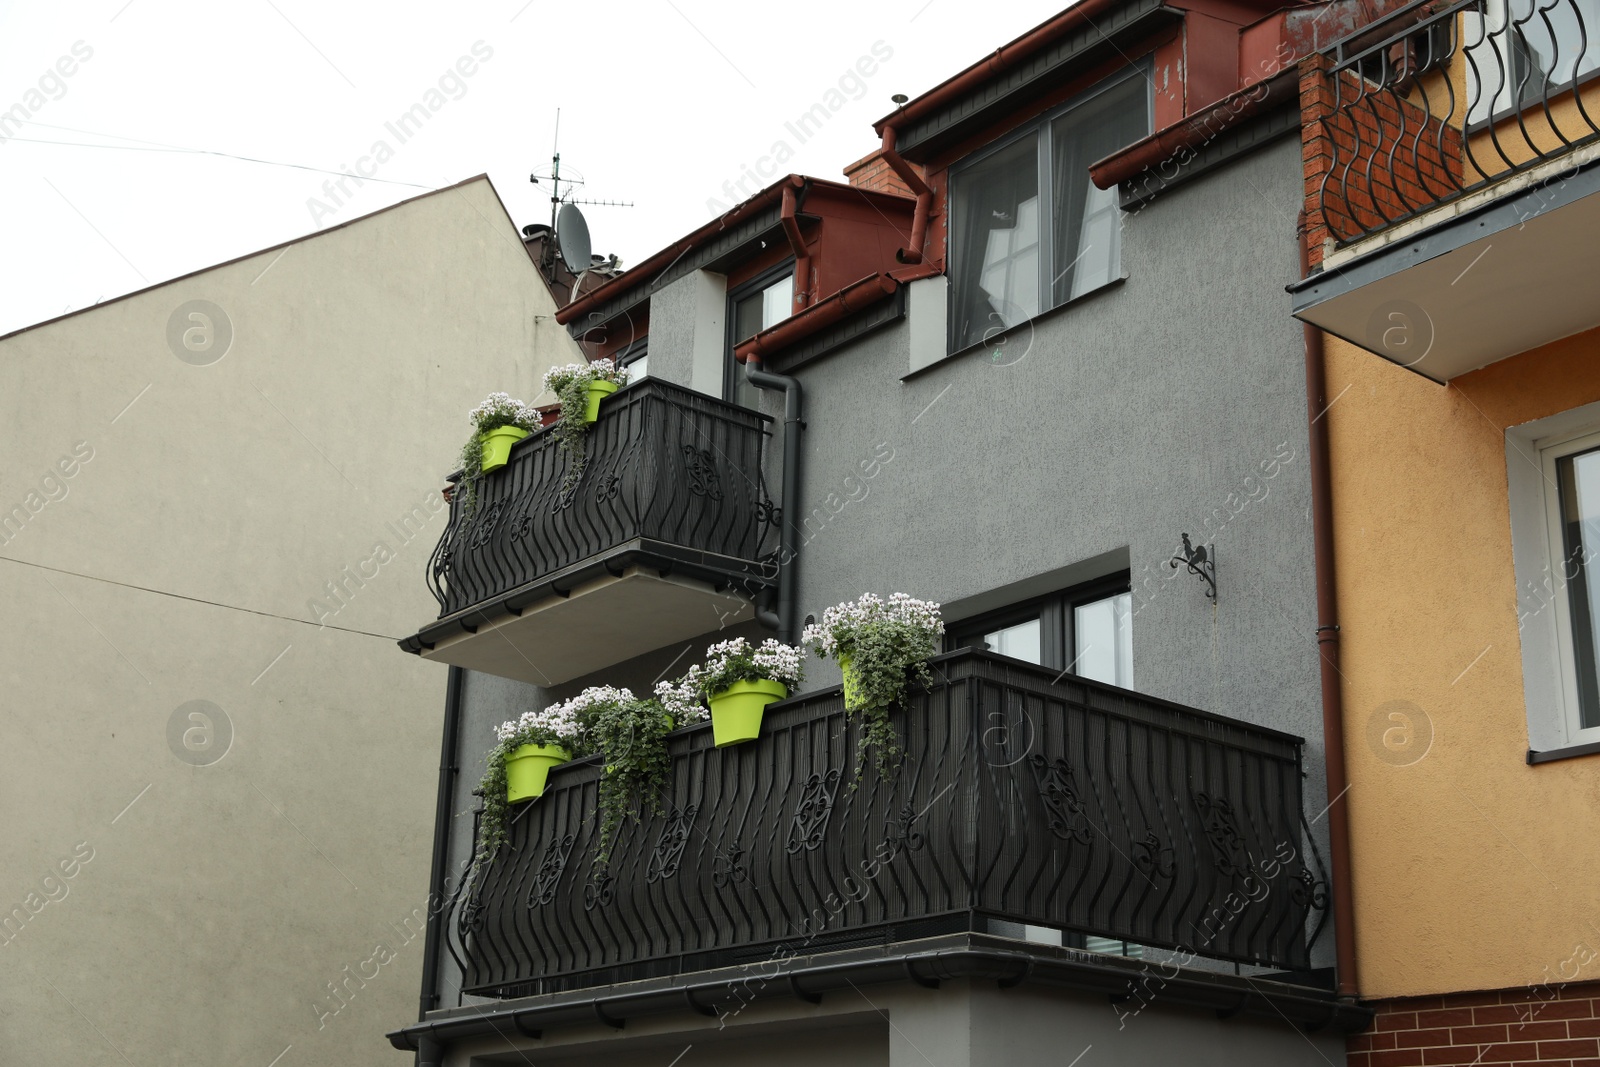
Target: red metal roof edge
(852, 298)
(669, 255)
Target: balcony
(1450, 182)
(1021, 800)
(660, 540)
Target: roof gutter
(970, 957)
(1007, 56)
(847, 301)
(662, 260)
(1195, 130)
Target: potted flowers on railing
(881, 647)
(498, 423)
(519, 766)
(580, 387)
(739, 680)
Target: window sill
(1025, 328)
(1566, 752)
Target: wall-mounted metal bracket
(1202, 562)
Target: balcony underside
(1505, 270)
(629, 602)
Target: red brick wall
(1414, 157)
(1544, 1025)
(873, 173)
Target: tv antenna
(559, 197)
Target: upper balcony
(1025, 799)
(660, 540)
(1450, 155)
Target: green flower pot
(597, 391)
(497, 445)
(736, 711)
(852, 684)
(528, 768)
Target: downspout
(802, 259)
(432, 943)
(1344, 934)
(784, 620)
(912, 253)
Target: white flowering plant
(737, 660)
(632, 734)
(882, 645)
(681, 699)
(554, 725)
(497, 410)
(570, 384)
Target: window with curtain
(1028, 230)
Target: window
(1087, 630)
(1028, 230)
(755, 306)
(1524, 51)
(636, 357)
(1573, 522)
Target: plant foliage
(738, 660)
(497, 410)
(570, 384)
(884, 645)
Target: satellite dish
(573, 235)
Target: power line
(158, 146)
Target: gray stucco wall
(1105, 430)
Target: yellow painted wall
(1471, 869)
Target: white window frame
(1549, 672)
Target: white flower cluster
(556, 719)
(500, 409)
(840, 622)
(772, 659)
(597, 694)
(601, 370)
(682, 699)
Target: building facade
(976, 376)
(206, 549)
(1451, 209)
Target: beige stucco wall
(1473, 870)
(180, 563)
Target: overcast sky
(664, 103)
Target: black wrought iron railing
(675, 470)
(1062, 803)
(1439, 100)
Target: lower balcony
(661, 538)
(1023, 800)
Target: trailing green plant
(631, 734)
(885, 645)
(737, 660)
(497, 410)
(553, 725)
(570, 384)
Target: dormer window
(757, 305)
(1028, 230)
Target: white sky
(662, 102)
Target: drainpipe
(784, 620)
(912, 253)
(433, 942)
(1344, 933)
(802, 259)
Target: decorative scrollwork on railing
(551, 867)
(1151, 857)
(599, 891)
(701, 465)
(483, 525)
(1060, 796)
(608, 488)
(1308, 891)
(727, 867)
(900, 836)
(1228, 849)
(811, 813)
(670, 844)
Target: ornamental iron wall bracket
(1202, 562)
